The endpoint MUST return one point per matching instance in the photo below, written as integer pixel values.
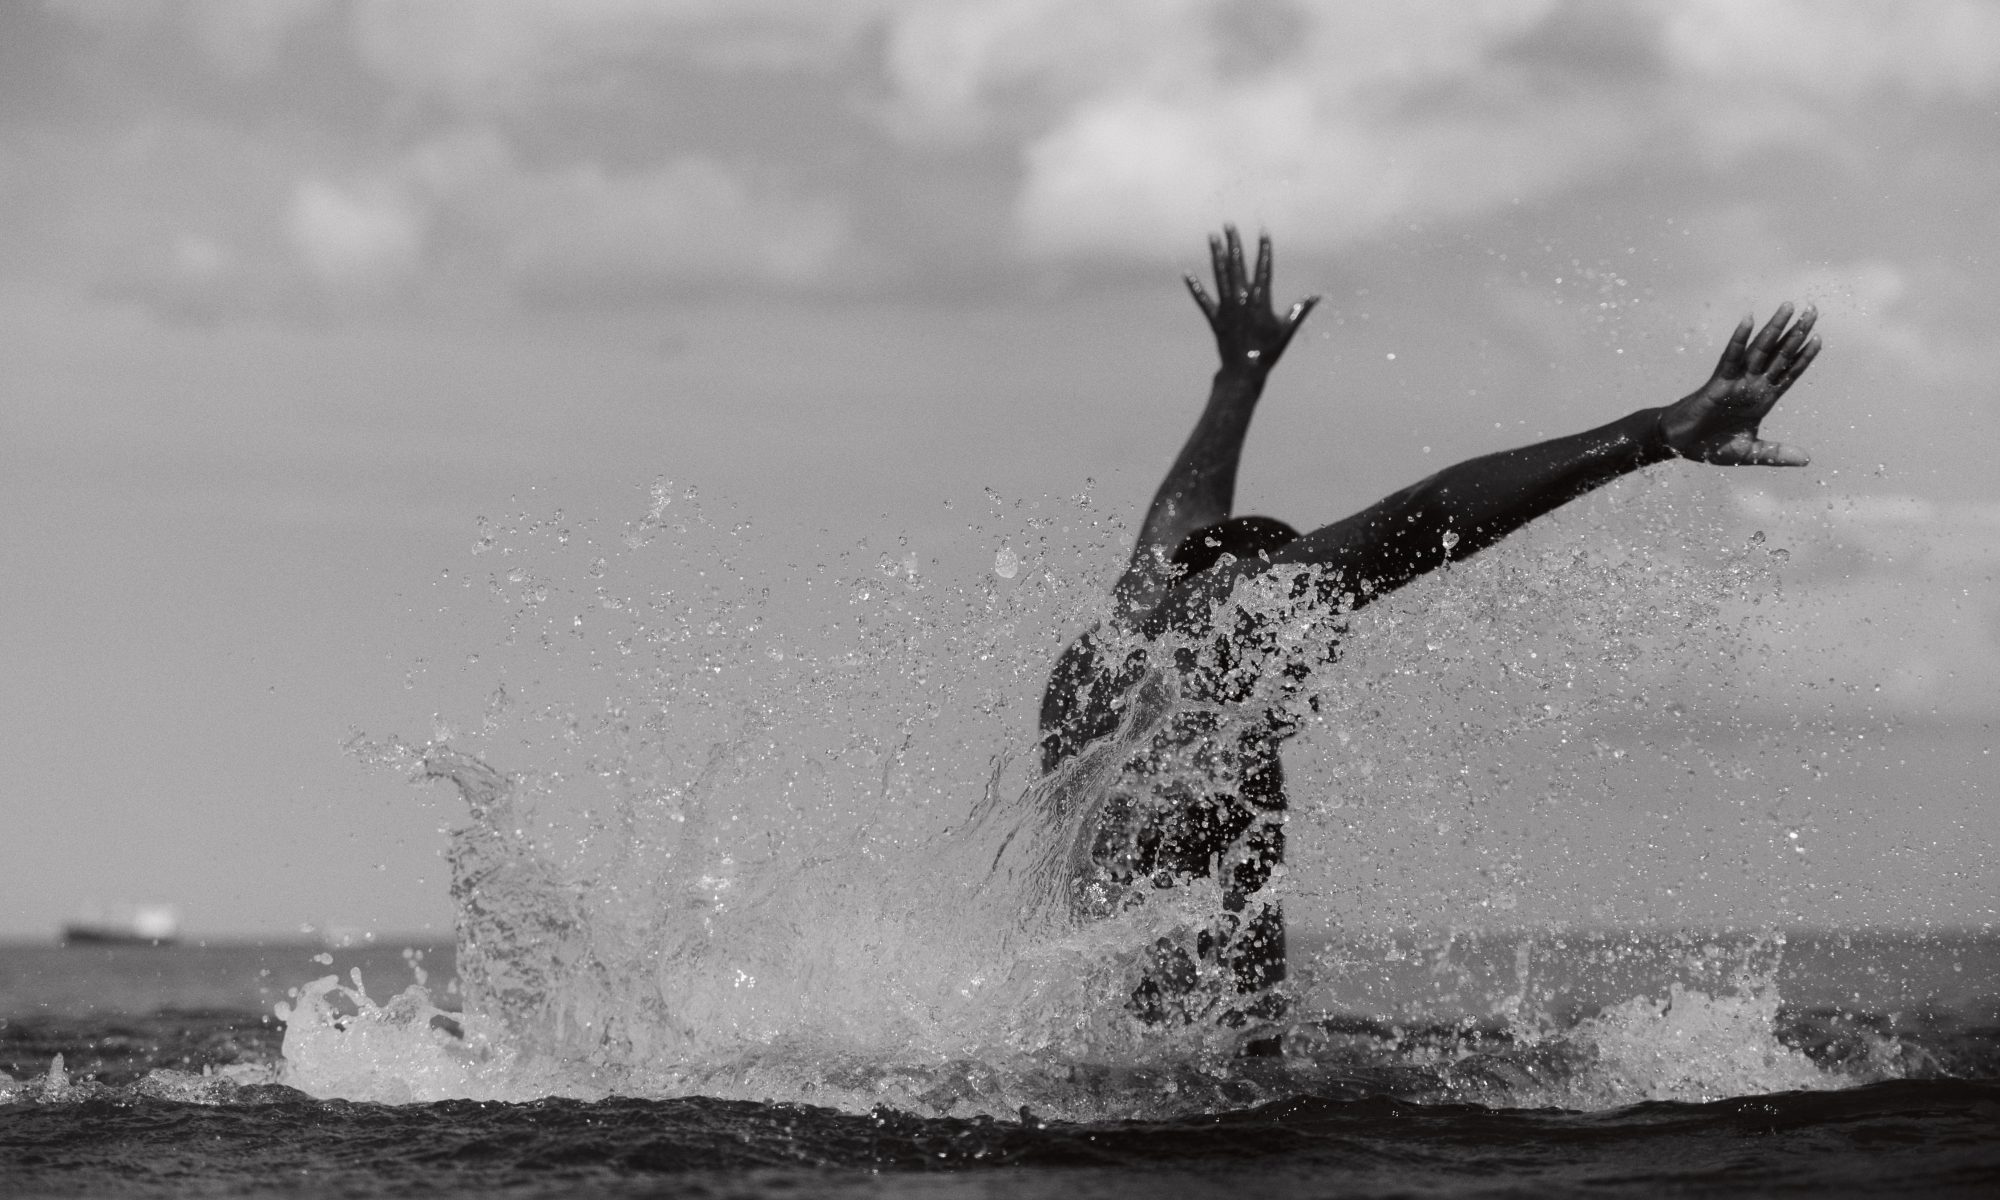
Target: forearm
(1200, 486)
(1467, 507)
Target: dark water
(170, 1083)
(1901, 1138)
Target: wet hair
(1243, 537)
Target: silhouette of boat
(142, 925)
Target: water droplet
(1006, 562)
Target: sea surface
(135, 1071)
(758, 892)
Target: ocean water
(142, 1071)
(759, 894)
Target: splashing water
(767, 832)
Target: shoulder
(1081, 702)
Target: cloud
(1336, 121)
(1370, 118)
(1134, 175)
(354, 238)
(565, 230)
(1871, 300)
(243, 37)
(1895, 532)
(1888, 603)
(484, 55)
(488, 53)
(616, 151)
(963, 70)
(498, 181)
(689, 220)
(1840, 51)
(1331, 121)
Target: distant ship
(141, 925)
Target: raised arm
(1201, 484)
(1465, 508)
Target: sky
(295, 293)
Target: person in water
(1200, 793)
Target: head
(1242, 537)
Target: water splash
(771, 831)
(1709, 1031)
(338, 1042)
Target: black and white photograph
(1020, 599)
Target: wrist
(1656, 443)
(1242, 373)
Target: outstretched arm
(1201, 484)
(1465, 508)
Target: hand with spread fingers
(1718, 422)
(1247, 332)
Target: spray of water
(752, 824)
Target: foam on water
(773, 831)
(1691, 1047)
(1689, 1042)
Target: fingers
(1736, 353)
(1201, 297)
(1774, 454)
(1785, 357)
(1797, 366)
(1747, 450)
(1767, 340)
(1293, 318)
(1796, 336)
(1238, 285)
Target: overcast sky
(294, 292)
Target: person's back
(1202, 797)
(1200, 792)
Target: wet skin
(1167, 824)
